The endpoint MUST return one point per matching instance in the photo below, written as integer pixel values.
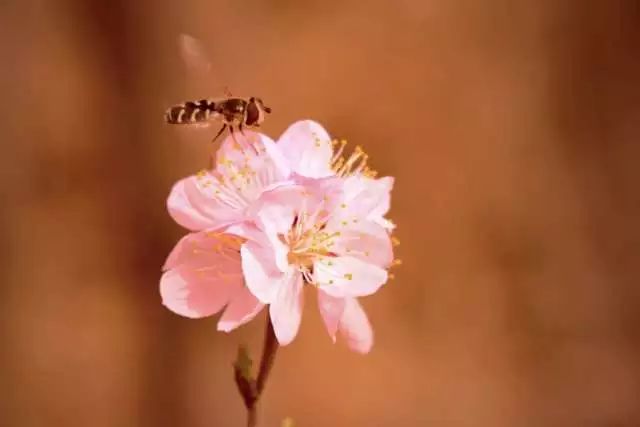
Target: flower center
(307, 243)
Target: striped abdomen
(190, 112)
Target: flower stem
(250, 388)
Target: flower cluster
(269, 218)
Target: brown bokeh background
(512, 128)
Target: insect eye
(253, 114)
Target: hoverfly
(232, 112)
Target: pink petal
(277, 208)
(182, 210)
(242, 308)
(184, 293)
(286, 310)
(382, 188)
(347, 276)
(355, 327)
(191, 207)
(307, 147)
(363, 198)
(204, 274)
(255, 150)
(331, 310)
(260, 272)
(367, 241)
(247, 230)
(179, 254)
(276, 212)
(202, 249)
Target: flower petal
(382, 189)
(331, 310)
(242, 308)
(366, 240)
(260, 273)
(347, 276)
(204, 273)
(277, 208)
(207, 248)
(275, 214)
(286, 310)
(255, 151)
(307, 146)
(355, 327)
(186, 294)
(191, 207)
(183, 211)
(363, 198)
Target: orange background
(512, 129)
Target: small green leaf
(243, 363)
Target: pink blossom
(244, 168)
(253, 163)
(308, 215)
(203, 274)
(320, 233)
(246, 165)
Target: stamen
(355, 164)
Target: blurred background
(512, 128)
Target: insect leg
(233, 136)
(224, 126)
(250, 142)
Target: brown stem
(252, 416)
(269, 351)
(250, 388)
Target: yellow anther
(395, 241)
(348, 276)
(343, 205)
(396, 262)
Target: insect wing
(194, 54)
